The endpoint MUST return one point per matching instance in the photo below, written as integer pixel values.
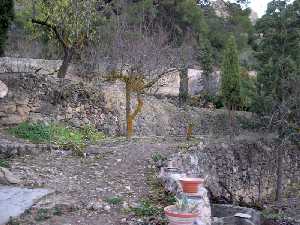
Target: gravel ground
(116, 169)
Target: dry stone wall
(41, 98)
(167, 86)
(241, 171)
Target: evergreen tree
(206, 60)
(279, 74)
(230, 82)
(6, 16)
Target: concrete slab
(15, 200)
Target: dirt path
(113, 172)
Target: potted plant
(183, 212)
(191, 185)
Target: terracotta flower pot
(178, 218)
(191, 185)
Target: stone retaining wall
(241, 171)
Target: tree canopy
(6, 17)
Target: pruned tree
(139, 59)
(70, 23)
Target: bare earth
(116, 168)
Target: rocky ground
(98, 189)
(95, 190)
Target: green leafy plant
(34, 132)
(91, 134)
(182, 205)
(156, 157)
(42, 214)
(146, 209)
(4, 163)
(114, 200)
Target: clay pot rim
(169, 212)
(191, 180)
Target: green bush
(59, 134)
(91, 134)
(114, 200)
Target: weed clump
(61, 135)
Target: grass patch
(59, 134)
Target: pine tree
(6, 16)
(230, 82)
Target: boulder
(3, 89)
(7, 177)
(14, 201)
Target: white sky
(260, 6)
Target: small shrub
(146, 209)
(91, 134)
(114, 200)
(156, 157)
(34, 132)
(68, 138)
(4, 163)
(42, 214)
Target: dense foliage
(6, 17)
(278, 80)
(278, 55)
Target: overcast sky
(260, 6)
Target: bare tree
(139, 58)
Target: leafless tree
(139, 58)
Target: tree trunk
(129, 121)
(231, 122)
(68, 54)
(184, 87)
(131, 116)
(279, 174)
(189, 132)
(207, 83)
